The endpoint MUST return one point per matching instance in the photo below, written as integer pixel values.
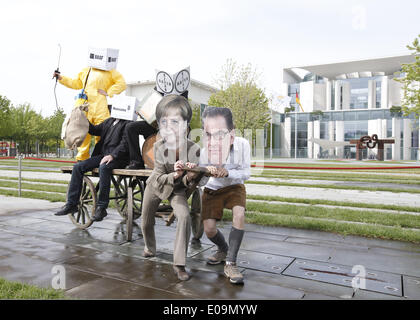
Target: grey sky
(171, 35)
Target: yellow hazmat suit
(112, 82)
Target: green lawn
(16, 290)
(299, 222)
(35, 163)
(384, 177)
(336, 164)
(345, 220)
(332, 186)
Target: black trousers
(133, 130)
(105, 173)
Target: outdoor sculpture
(371, 142)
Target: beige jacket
(162, 177)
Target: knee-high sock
(219, 241)
(235, 240)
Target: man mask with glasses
(228, 159)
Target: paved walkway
(278, 263)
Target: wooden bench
(129, 187)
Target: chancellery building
(342, 102)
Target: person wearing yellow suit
(99, 85)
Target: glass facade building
(344, 101)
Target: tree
(23, 126)
(396, 111)
(289, 109)
(55, 122)
(232, 73)
(240, 93)
(316, 115)
(29, 128)
(4, 117)
(411, 82)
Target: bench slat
(120, 172)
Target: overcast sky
(170, 35)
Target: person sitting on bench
(133, 130)
(111, 152)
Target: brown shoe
(217, 258)
(181, 273)
(232, 272)
(148, 254)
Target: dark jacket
(113, 139)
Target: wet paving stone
(52, 226)
(191, 264)
(126, 268)
(287, 249)
(24, 231)
(30, 270)
(100, 263)
(343, 275)
(106, 288)
(74, 278)
(411, 287)
(20, 221)
(253, 260)
(327, 244)
(211, 285)
(165, 244)
(262, 261)
(400, 264)
(45, 249)
(262, 235)
(308, 286)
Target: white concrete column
(328, 95)
(371, 94)
(317, 135)
(380, 88)
(310, 136)
(407, 139)
(383, 129)
(395, 93)
(384, 92)
(331, 135)
(339, 132)
(307, 95)
(287, 136)
(396, 128)
(346, 96)
(337, 95)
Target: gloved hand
(56, 74)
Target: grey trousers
(183, 226)
(196, 222)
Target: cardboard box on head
(103, 58)
(124, 107)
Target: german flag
(298, 101)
